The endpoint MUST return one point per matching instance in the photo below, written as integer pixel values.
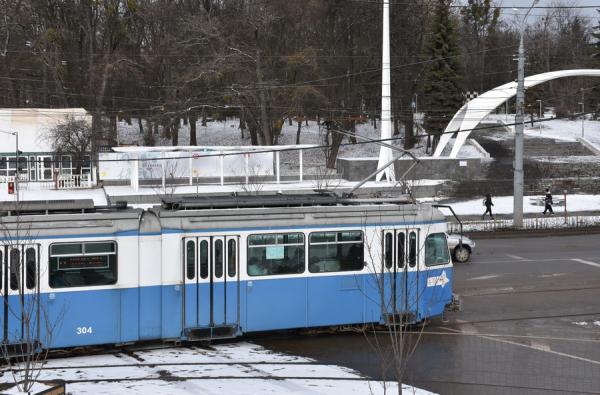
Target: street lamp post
(16, 162)
(519, 119)
(582, 112)
(541, 116)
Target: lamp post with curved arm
(519, 119)
(16, 163)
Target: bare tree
(325, 178)
(253, 182)
(32, 326)
(73, 137)
(173, 172)
(396, 256)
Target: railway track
(146, 369)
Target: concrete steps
(538, 175)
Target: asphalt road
(530, 325)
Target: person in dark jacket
(487, 202)
(548, 203)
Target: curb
(511, 234)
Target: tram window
(15, 269)
(412, 249)
(401, 255)
(219, 258)
(83, 264)
(31, 268)
(436, 250)
(336, 251)
(1, 265)
(389, 250)
(92, 248)
(204, 259)
(275, 254)
(231, 258)
(66, 249)
(190, 260)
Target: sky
(587, 8)
(239, 375)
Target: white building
(22, 129)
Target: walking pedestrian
(487, 202)
(548, 203)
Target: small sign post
(565, 192)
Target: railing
(73, 181)
(22, 177)
(60, 181)
(559, 221)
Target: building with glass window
(23, 129)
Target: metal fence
(538, 223)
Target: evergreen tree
(442, 92)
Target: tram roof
(277, 200)
(61, 206)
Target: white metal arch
(469, 116)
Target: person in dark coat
(548, 203)
(488, 205)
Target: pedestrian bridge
(473, 112)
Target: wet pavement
(530, 326)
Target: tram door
(211, 291)
(20, 292)
(400, 263)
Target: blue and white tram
(218, 267)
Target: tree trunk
(352, 130)
(253, 132)
(166, 128)
(409, 140)
(242, 125)
(175, 132)
(336, 140)
(193, 139)
(266, 132)
(374, 119)
(298, 132)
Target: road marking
(540, 346)
(587, 262)
(519, 258)
(483, 277)
(535, 346)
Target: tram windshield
(436, 250)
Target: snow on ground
(232, 369)
(559, 129)
(531, 204)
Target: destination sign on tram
(78, 262)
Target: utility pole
(582, 112)
(519, 119)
